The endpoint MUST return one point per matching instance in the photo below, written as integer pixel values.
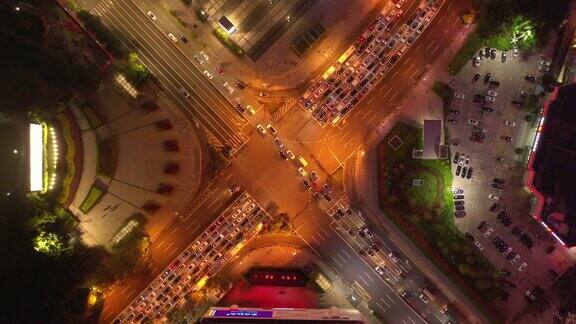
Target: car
(529, 78)
(151, 15)
(508, 139)
(479, 245)
(469, 237)
(302, 172)
(515, 259)
(509, 123)
(523, 267)
(481, 225)
(263, 94)
(375, 247)
(198, 59)
(492, 93)
(458, 197)
(368, 232)
(495, 197)
(472, 122)
(458, 170)
(476, 77)
(487, 109)
(514, 52)
(459, 95)
(184, 39)
(240, 85)
(379, 270)
(283, 155)
(306, 183)
(508, 250)
(424, 298)
(454, 112)
(278, 142)
(361, 252)
(493, 53)
(240, 108)
(459, 213)
(219, 69)
(184, 93)
(490, 98)
(393, 257)
(488, 232)
(361, 233)
(476, 61)
(208, 75)
(469, 173)
(458, 191)
(204, 55)
(459, 203)
(290, 154)
(351, 232)
(497, 185)
(251, 110)
(261, 129)
(272, 129)
(172, 38)
(451, 121)
(497, 180)
(487, 77)
(481, 53)
(503, 57)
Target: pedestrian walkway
(126, 138)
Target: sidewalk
(279, 69)
(362, 189)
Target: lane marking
(169, 245)
(159, 245)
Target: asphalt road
(171, 64)
(258, 168)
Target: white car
(206, 57)
(151, 15)
(472, 122)
(302, 172)
(490, 98)
(492, 93)
(508, 250)
(509, 123)
(278, 142)
(172, 38)
(476, 61)
(261, 129)
(393, 257)
(514, 52)
(523, 267)
(424, 298)
(495, 197)
(290, 154)
(489, 232)
(251, 110)
(479, 246)
(197, 59)
(379, 270)
(184, 93)
(208, 75)
(459, 95)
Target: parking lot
(485, 127)
(366, 62)
(237, 225)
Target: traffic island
(424, 213)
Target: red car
(219, 69)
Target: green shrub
(225, 39)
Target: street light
(15, 151)
(17, 8)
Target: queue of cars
(334, 94)
(204, 257)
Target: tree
(49, 243)
(135, 71)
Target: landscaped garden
(423, 209)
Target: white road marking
(368, 276)
(346, 253)
(337, 262)
(410, 318)
(169, 245)
(159, 245)
(174, 230)
(367, 284)
(385, 302)
(390, 298)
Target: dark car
(240, 85)
(493, 54)
(487, 109)
(375, 247)
(456, 156)
(469, 237)
(476, 77)
(469, 173)
(458, 170)
(283, 155)
(497, 180)
(240, 108)
(306, 183)
(361, 252)
(497, 186)
(184, 39)
(494, 207)
(529, 78)
(487, 77)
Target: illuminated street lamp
(17, 8)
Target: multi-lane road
(257, 167)
(172, 64)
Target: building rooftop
(554, 165)
(432, 139)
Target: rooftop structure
(281, 315)
(551, 166)
(432, 139)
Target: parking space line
(381, 307)
(390, 298)
(346, 253)
(169, 245)
(368, 276)
(410, 318)
(159, 245)
(338, 263)
(367, 284)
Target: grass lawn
(472, 44)
(427, 194)
(425, 213)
